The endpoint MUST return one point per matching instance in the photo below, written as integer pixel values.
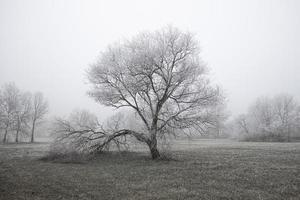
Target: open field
(203, 169)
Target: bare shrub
(65, 153)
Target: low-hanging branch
(93, 138)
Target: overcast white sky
(252, 47)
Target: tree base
(154, 153)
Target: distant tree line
(270, 119)
(20, 113)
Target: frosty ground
(201, 169)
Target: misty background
(251, 47)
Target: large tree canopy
(160, 76)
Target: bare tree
(220, 116)
(242, 123)
(161, 78)
(22, 114)
(8, 106)
(271, 118)
(286, 111)
(2, 113)
(39, 110)
(262, 113)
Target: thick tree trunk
(153, 147)
(154, 152)
(32, 132)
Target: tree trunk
(154, 152)
(32, 132)
(288, 133)
(5, 136)
(153, 147)
(17, 132)
(17, 136)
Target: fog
(251, 47)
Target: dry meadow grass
(201, 169)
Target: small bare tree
(243, 124)
(286, 110)
(2, 113)
(263, 115)
(220, 116)
(8, 106)
(161, 78)
(22, 114)
(39, 110)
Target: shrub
(65, 154)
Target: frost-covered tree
(22, 114)
(39, 110)
(161, 78)
(8, 108)
(274, 118)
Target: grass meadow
(200, 169)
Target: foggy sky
(252, 47)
